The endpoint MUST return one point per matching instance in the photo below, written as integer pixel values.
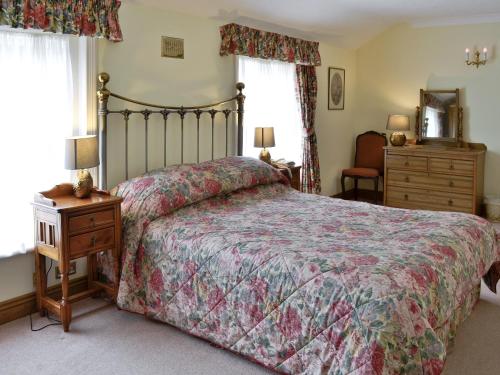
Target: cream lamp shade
(398, 123)
(81, 152)
(264, 137)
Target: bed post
(240, 99)
(102, 120)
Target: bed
(225, 250)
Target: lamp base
(398, 139)
(82, 188)
(265, 156)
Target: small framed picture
(336, 88)
(172, 47)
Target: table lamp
(264, 137)
(82, 153)
(398, 123)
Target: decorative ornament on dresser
(264, 137)
(81, 153)
(398, 123)
(336, 88)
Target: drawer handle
(450, 202)
(406, 197)
(452, 167)
(93, 240)
(92, 221)
(407, 179)
(407, 163)
(452, 184)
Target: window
(42, 103)
(271, 101)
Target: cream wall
(393, 67)
(138, 71)
(334, 128)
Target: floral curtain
(307, 89)
(97, 18)
(242, 40)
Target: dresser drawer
(99, 239)
(428, 200)
(452, 166)
(90, 221)
(431, 181)
(416, 163)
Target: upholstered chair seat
(361, 172)
(368, 163)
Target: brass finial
(240, 86)
(103, 78)
(103, 93)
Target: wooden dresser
(434, 177)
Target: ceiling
(348, 23)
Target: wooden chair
(369, 161)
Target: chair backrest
(370, 150)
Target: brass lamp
(399, 123)
(82, 153)
(264, 137)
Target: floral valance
(96, 18)
(242, 40)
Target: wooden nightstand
(293, 174)
(67, 228)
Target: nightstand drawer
(99, 239)
(89, 221)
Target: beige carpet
(106, 341)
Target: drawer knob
(450, 202)
(407, 163)
(406, 197)
(452, 184)
(92, 221)
(93, 240)
(452, 167)
(407, 179)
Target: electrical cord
(55, 322)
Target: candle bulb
(467, 54)
(485, 53)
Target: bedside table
(293, 175)
(68, 228)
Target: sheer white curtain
(271, 101)
(37, 113)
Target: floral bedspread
(300, 283)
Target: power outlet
(72, 270)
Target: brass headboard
(165, 111)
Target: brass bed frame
(165, 111)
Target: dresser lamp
(82, 153)
(398, 123)
(264, 137)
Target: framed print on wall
(336, 88)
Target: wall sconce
(477, 57)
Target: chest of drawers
(434, 178)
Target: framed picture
(336, 88)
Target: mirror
(439, 117)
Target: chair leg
(355, 188)
(342, 182)
(376, 188)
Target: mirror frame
(457, 141)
